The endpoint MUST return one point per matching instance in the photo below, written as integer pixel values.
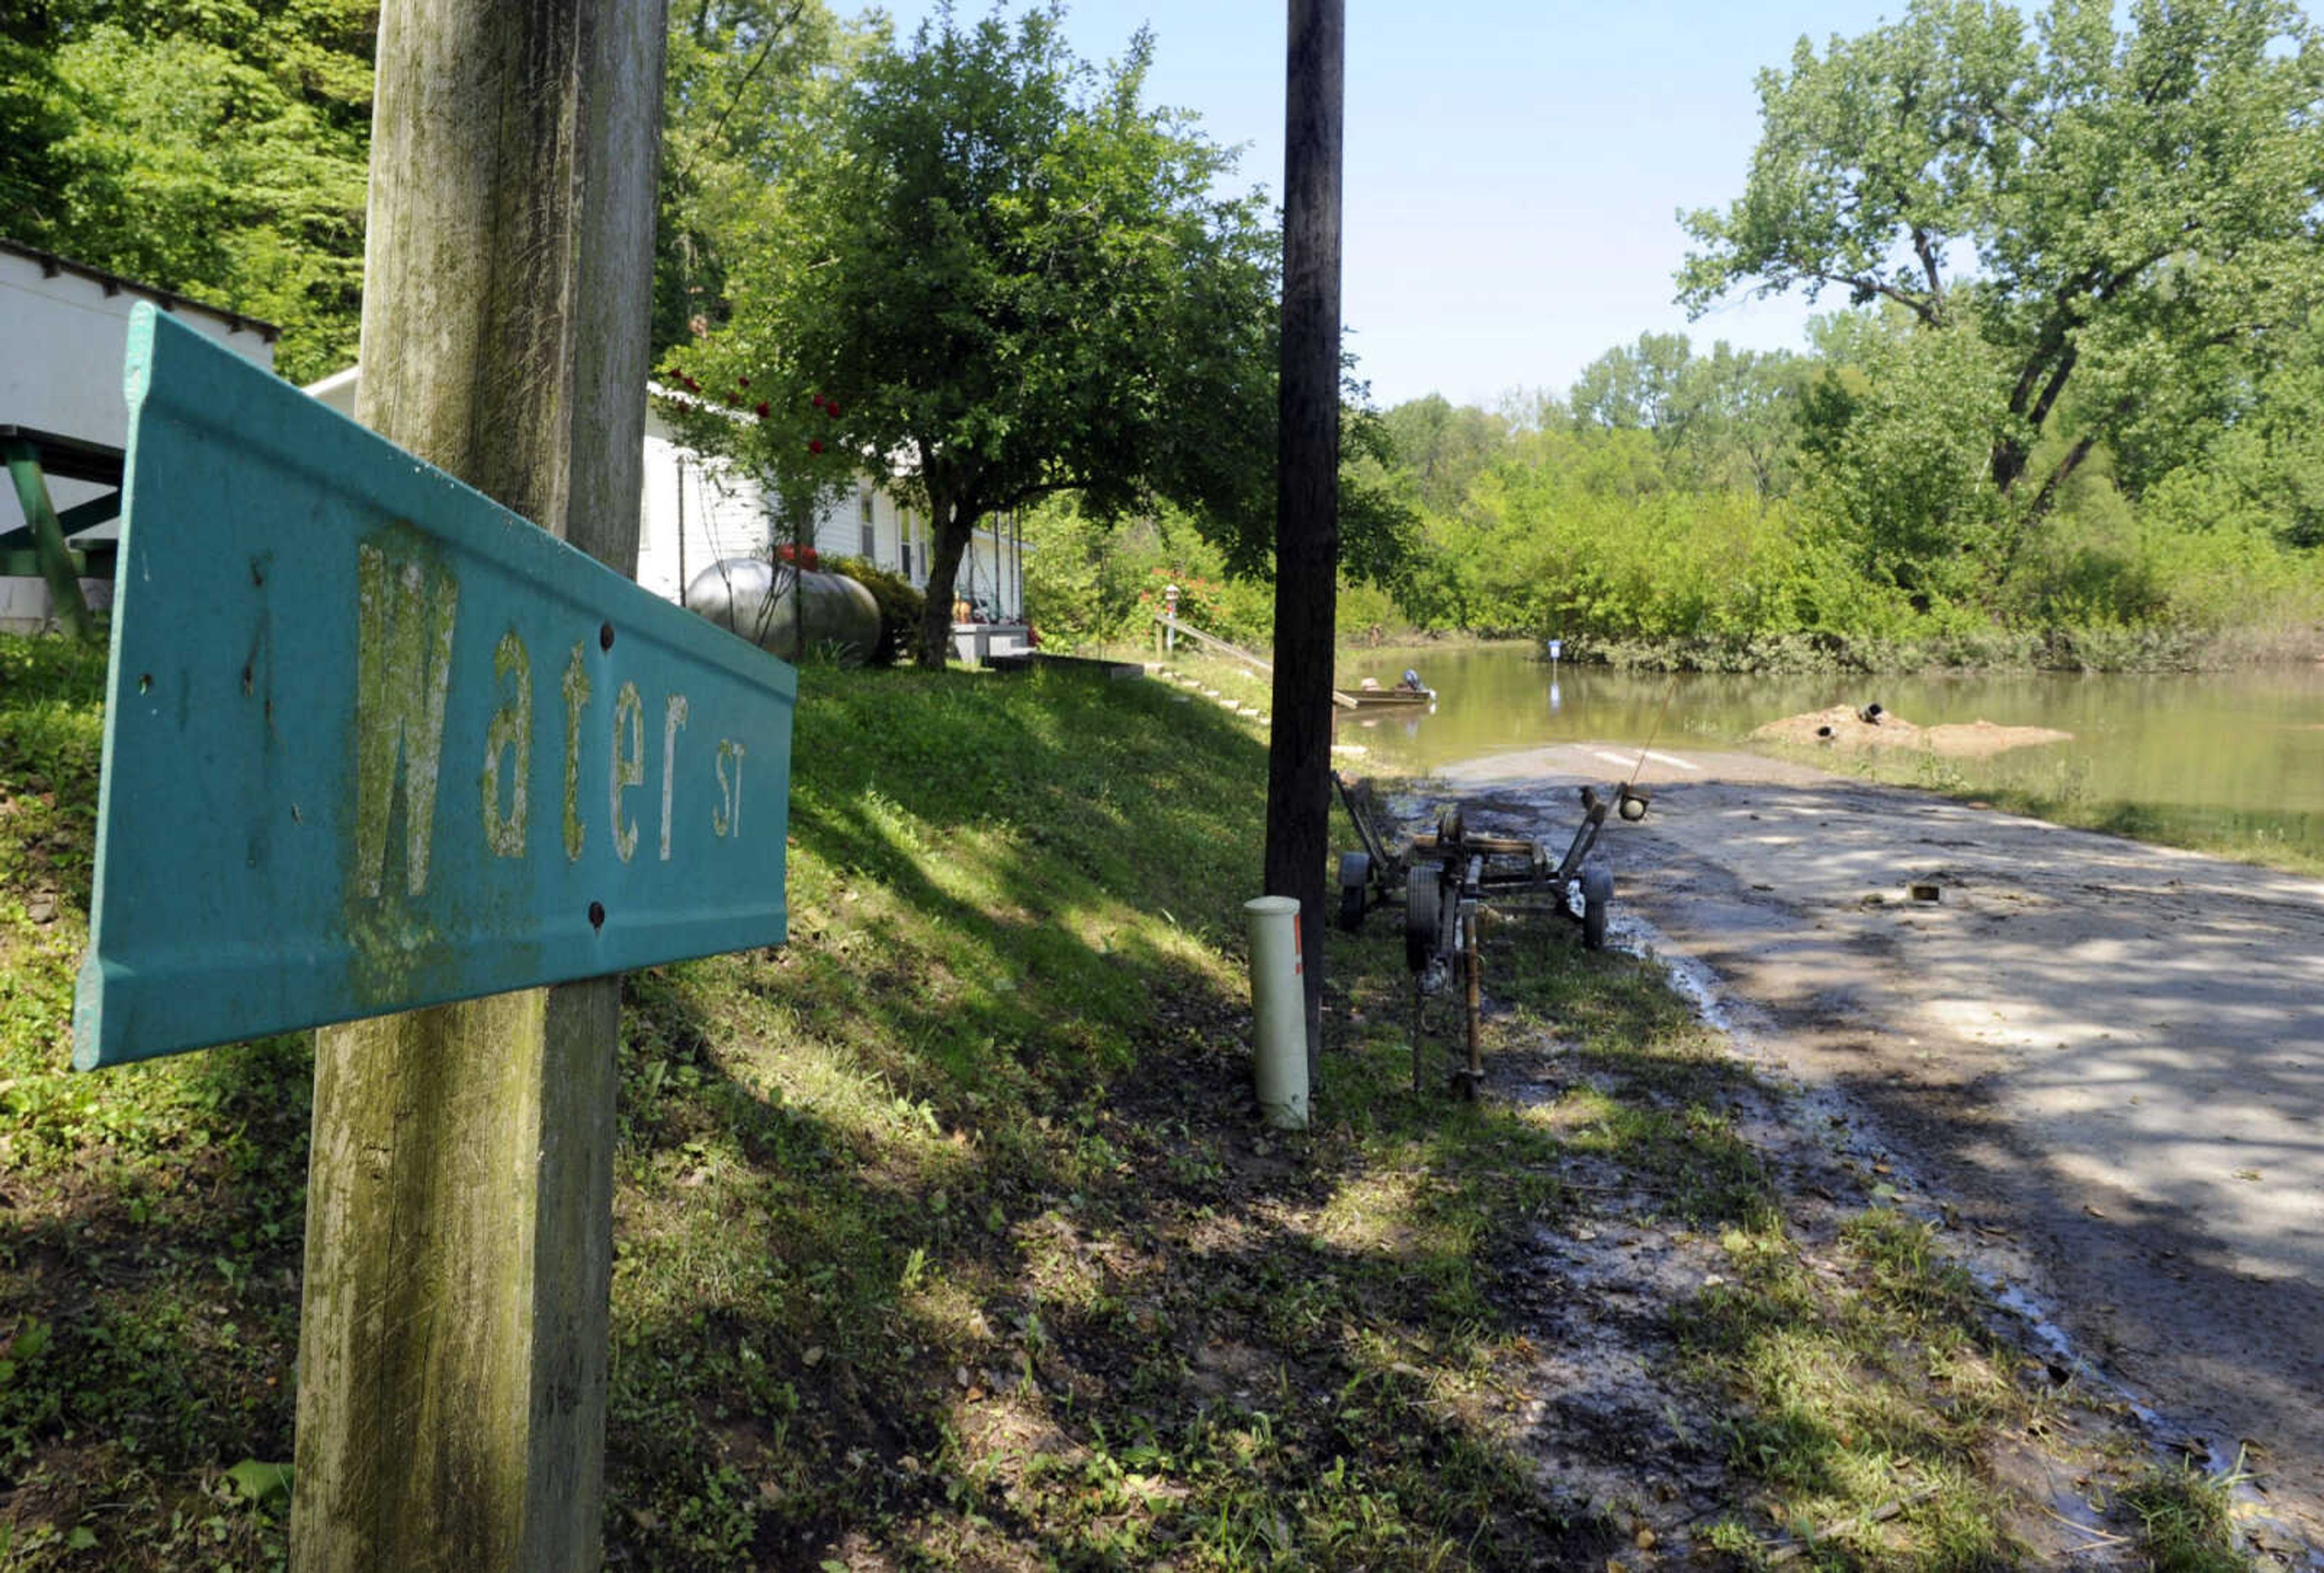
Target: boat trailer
(1444, 876)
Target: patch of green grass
(1040, 1296)
(2184, 1520)
(2221, 835)
(151, 1230)
(1869, 1387)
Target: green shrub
(900, 609)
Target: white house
(64, 329)
(873, 525)
(698, 508)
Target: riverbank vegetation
(946, 1235)
(2064, 413)
(1738, 511)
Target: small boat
(1366, 697)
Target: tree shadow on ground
(1132, 1340)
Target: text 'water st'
(371, 742)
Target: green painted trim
(24, 563)
(55, 561)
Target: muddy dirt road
(2107, 1057)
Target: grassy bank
(945, 1237)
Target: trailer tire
(1596, 895)
(1423, 905)
(1355, 880)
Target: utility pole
(454, 1341)
(1307, 486)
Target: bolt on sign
(372, 742)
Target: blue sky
(1513, 170)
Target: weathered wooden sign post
(375, 743)
(372, 742)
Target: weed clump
(2184, 1520)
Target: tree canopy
(216, 148)
(1002, 272)
(221, 148)
(2078, 380)
(747, 83)
(2129, 220)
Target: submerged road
(2110, 1055)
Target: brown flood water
(2235, 755)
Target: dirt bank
(2107, 1057)
(1842, 726)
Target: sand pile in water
(1842, 726)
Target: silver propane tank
(786, 612)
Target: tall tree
(1894, 433)
(1740, 416)
(1635, 389)
(2119, 214)
(1436, 448)
(748, 84)
(34, 116)
(220, 146)
(1005, 274)
(217, 148)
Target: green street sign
(371, 742)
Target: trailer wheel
(1422, 914)
(1355, 880)
(1596, 895)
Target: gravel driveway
(2106, 1057)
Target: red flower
(814, 445)
(759, 409)
(742, 382)
(832, 409)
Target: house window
(871, 541)
(904, 543)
